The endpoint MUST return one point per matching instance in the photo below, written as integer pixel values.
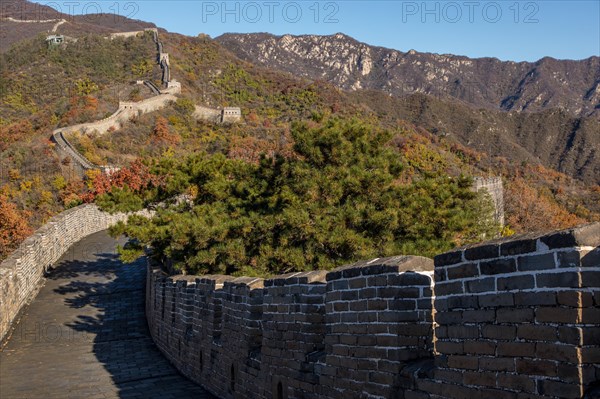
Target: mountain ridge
(483, 82)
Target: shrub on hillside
(337, 200)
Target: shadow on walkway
(86, 335)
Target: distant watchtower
(231, 114)
(494, 187)
(55, 40)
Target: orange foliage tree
(529, 210)
(136, 177)
(162, 133)
(14, 226)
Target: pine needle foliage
(337, 200)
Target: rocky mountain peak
(483, 82)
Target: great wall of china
(126, 110)
(513, 318)
(516, 318)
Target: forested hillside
(421, 205)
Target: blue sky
(506, 29)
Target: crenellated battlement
(504, 318)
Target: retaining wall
(22, 272)
(514, 319)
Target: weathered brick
(497, 364)
(479, 347)
(518, 247)
(463, 332)
(448, 258)
(462, 302)
(556, 315)
(449, 376)
(535, 298)
(498, 332)
(568, 259)
(567, 280)
(515, 349)
(463, 362)
(588, 315)
(536, 367)
(409, 278)
(449, 348)
(377, 304)
(537, 332)
(591, 279)
(495, 300)
(591, 259)
(536, 262)
(402, 304)
(515, 283)
(482, 252)
(516, 382)
(498, 266)
(479, 285)
(462, 271)
(449, 288)
(440, 274)
(591, 335)
(511, 315)
(576, 299)
(590, 355)
(354, 283)
(478, 316)
(560, 389)
(451, 317)
(552, 351)
(479, 378)
(570, 373)
(561, 239)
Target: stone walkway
(85, 335)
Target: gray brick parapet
(312, 335)
(519, 317)
(513, 318)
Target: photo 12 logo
(270, 11)
(470, 11)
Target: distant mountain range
(573, 86)
(547, 111)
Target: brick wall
(512, 319)
(346, 333)
(518, 318)
(22, 272)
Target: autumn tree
(162, 134)
(528, 209)
(142, 68)
(14, 226)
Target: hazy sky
(506, 29)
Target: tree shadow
(110, 299)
